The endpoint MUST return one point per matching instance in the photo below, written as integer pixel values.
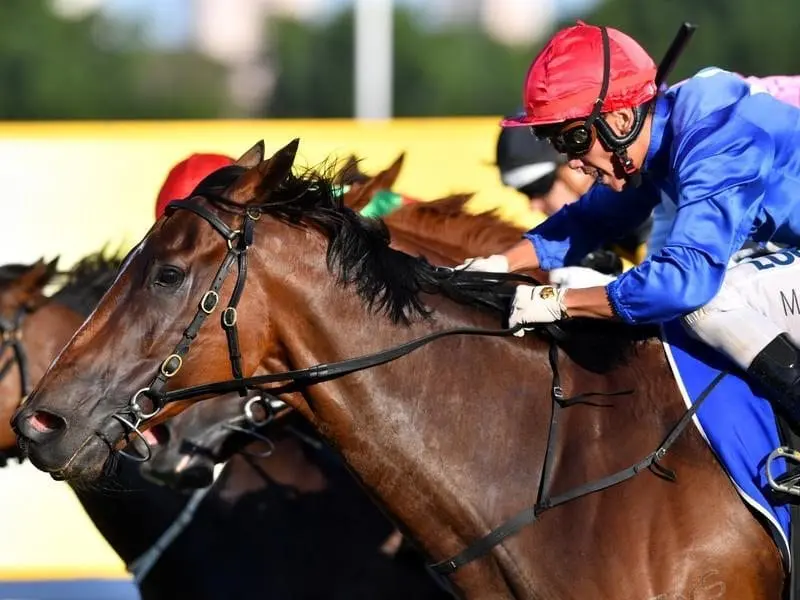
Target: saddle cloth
(738, 424)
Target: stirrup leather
(789, 482)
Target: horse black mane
(12, 271)
(87, 281)
(392, 282)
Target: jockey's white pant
(759, 300)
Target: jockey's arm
(722, 189)
(578, 228)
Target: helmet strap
(619, 144)
(633, 176)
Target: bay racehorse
(451, 438)
(316, 529)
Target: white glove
(579, 277)
(540, 304)
(497, 263)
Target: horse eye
(169, 276)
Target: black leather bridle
(11, 338)
(238, 241)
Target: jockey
(184, 177)
(533, 167)
(726, 154)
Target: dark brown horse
(315, 527)
(450, 438)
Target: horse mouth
(87, 464)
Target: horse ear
(350, 173)
(359, 197)
(449, 205)
(52, 268)
(259, 181)
(252, 157)
(393, 172)
(27, 288)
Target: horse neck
(449, 233)
(436, 251)
(430, 433)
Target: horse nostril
(45, 422)
(40, 427)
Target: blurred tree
(87, 68)
(747, 36)
(454, 71)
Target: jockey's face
(601, 163)
(568, 186)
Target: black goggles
(574, 139)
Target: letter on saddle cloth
(737, 423)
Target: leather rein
(238, 242)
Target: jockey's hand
(579, 277)
(497, 263)
(539, 304)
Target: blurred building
(233, 32)
(508, 21)
(453, 12)
(75, 8)
(518, 21)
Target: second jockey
(534, 168)
(726, 154)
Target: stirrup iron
(789, 482)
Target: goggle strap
(598, 105)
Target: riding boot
(777, 369)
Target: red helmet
(565, 79)
(184, 177)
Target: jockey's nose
(575, 164)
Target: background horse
(451, 438)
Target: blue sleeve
(581, 227)
(721, 167)
(663, 217)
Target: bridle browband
(238, 241)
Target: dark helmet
(526, 163)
